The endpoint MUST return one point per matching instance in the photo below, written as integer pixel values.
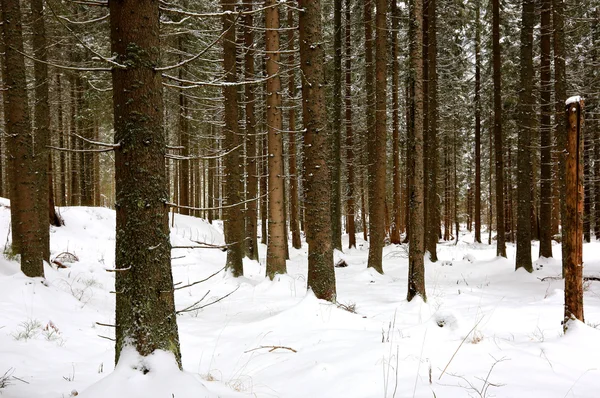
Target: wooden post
(572, 229)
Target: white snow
(479, 311)
(572, 100)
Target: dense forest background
(302, 120)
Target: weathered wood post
(572, 228)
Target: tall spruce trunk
(526, 115)
(251, 155)
(396, 182)
(370, 106)
(377, 144)
(233, 223)
(276, 248)
(498, 147)
(321, 275)
(42, 126)
(350, 200)
(546, 146)
(24, 164)
(293, 149)
(477, 215)
(145, 307)
(336, 133)
(416, 265)
(433, 213)
(560, 95)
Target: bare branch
(80, 150)
(97, 142)
(184, 62)
(200, 281)
(215, 208)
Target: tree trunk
(251, 137)
(336, 134)
(42, 125)
(477, 123)
(293, 149)
(369, 102)
(560, 95)
(24, 165)
(572, 254)
(234, 222)
(396, 188)
(145, 307)
(377, 144)
(545, 132)
(498, 147)
(321, 275)
(183, 128)
(276, 249)
(433, 213)
(350, 205)
(416, 265)
(526, 115)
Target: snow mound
(154, 376)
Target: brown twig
(272, 348)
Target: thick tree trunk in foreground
(526, 113)
(573, 244)
(498, 150)
(23, 162)
(234, 221)
(416, 265)
(377, 144)
(145, 308)
(276, 249)
(321, 275)
(546, 146)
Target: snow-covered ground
(485, 330)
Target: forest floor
(484, 331)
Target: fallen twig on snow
(272, 348)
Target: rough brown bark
(41, 131)
(560, 95)
(336, 133)
(293, 149)
(433, 214)
(477, 204)
(526, 115)
(377, 144)
(573, 244)
(498, 144)
(145, 308)
(416, 265)
(251, 155)
(396, 183)
(276, 248)
(233, 220)
(369, 101)
(545, 132)
(321, 275)
(23, 163)
(183, 129)
(350, 201)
